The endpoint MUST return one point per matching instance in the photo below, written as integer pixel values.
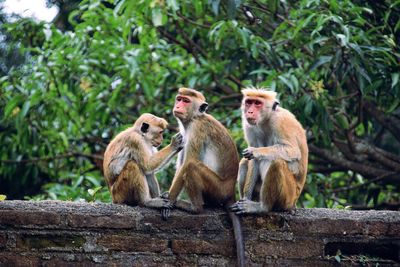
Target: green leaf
(13, 103)
(320, 61)
(64, 139)
(173, 4)
(157, 16)
(393, 106)
(93, 192)
(287, 82)
(395, 79)
(342, 121)
(25, 109)
(302, 24)
(273, 6)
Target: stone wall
(55, 233)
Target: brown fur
(130, 162)
(206, 132)
(207, 166)
(278, 167)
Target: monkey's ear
(203, 107)
(145, 127)
(275, 105)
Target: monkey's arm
(159, 159)
(285, 150)
(286, 147)
(286, 133)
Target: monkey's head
(151, 128)
(189, 104)
(258, 105)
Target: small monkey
(273, 171)
(131, 159)
(208, 164)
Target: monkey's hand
(177, 141)
(248, 153)
(165, 195)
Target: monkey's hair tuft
(152, 120)
(191, 92)
(259, 92)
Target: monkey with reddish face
(273, 171)
(132, 159)
(208, 164)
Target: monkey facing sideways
(131, 159)
(208, 164)
(273, 171)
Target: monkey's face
(183, 108)
(152, 134)
(253, 109)
(156, 136)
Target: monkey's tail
(237, 229)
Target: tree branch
(353, 187)
(363, 169)
(387, 121)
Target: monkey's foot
(165, 213)
(246, 206)
(188, 207)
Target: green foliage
(334, 65)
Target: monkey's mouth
(156, 144)
(251, 121)
(178, 114)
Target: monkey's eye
(257, 102)
(183, 99)
(249, 102)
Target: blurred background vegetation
(68, 87)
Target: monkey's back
(289, 123)
(120, 150)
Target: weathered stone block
(134, 243)
(209, 247)
(47, 242)
(23, 218)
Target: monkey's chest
(210, 159)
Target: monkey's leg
(242, 173)
(127, 187)
(196, 178)
(252, 177)
(279, 188)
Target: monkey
(131, 161)
(273, 171)
(207, 165)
